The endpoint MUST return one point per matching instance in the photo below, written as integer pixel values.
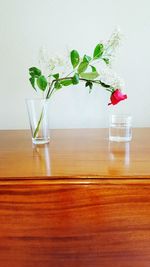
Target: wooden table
(78, 201)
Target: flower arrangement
(83, 69)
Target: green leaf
(32, 81)
(57, 85)
(33, 71)
(87, 58)
(83, 66)
(56, 76)
(90, 84)
(42, 82)
(75, 58)
(105, 85)
(89, 75)
(93, 69)
(66, 82)
(75, 79)
(98, 51)
(106, 60)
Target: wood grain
(75, 154)
(75, 225)
(78, 201)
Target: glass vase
(38, 118)
(120, 128)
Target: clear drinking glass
(38, 118)
(120, 128)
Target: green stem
(38, 125)
(106, 86)
(51, 90)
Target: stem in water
(38, 125)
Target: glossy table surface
(75, 154)
(78, 201)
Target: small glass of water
(120, 128)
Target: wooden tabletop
(78, 201)
(74, 154)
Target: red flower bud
(116, 97)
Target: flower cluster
(114, 42)
(91, 70)
(50, 64)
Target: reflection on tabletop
(119, 154)
(41, 157)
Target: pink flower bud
(116, 97)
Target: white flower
(51, 65)
(43, 60)
(111, 78)
(112, 44)
(115, 39)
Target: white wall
(26, 25)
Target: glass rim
(36, 99)
(121, 115)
